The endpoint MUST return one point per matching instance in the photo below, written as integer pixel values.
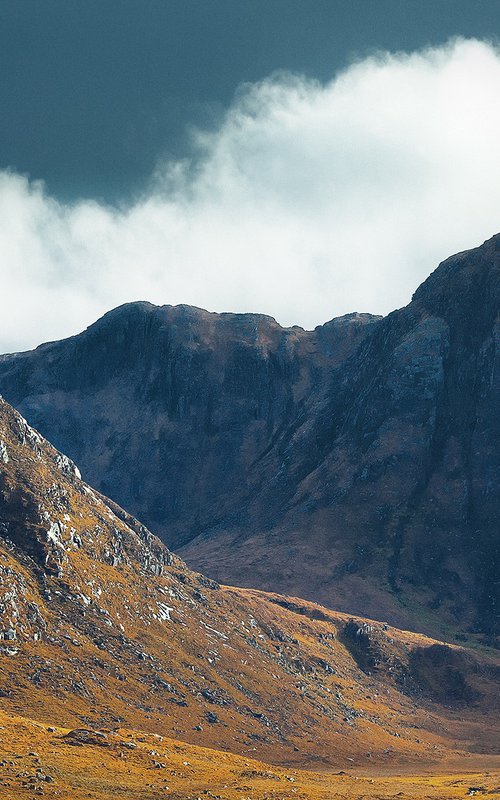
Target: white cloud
(308, 202)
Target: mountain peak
(247, 446)
(468, 277)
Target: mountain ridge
(102, 627)
(252, 448)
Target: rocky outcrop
(357, 464)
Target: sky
(303, 159)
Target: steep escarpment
(384, 493)
(167, 409)
(357, 465)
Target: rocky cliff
(167, 409)
(357, 464)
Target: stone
(84, 736)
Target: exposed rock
(84, 736)
(105, 643)
(358, 640)
(357, 464)
(4, 455)
(66, 466)
(169, 387)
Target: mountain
(357, 465)
(167, 408)
(110, 644)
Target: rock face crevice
(357, 464)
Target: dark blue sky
(93, 92)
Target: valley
(107, 634)
(340, 489)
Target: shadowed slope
(357, 465)
(101, 626)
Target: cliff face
(392, 476)
(167, 409)
(357, 464)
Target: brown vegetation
(105, 632)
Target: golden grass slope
(102, 628)
(41, 760)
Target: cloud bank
(309, 201)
